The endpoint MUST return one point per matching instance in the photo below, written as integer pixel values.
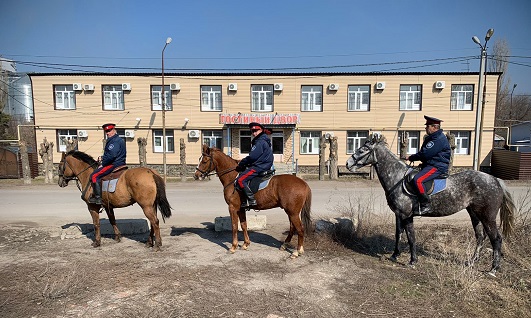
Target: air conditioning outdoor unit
(126, 86)
(88, 87)
(77, 86)
(278, 86)
(440, 84)
(193, 133)
(233, 87)
(380, 85)
(328, 134)
(333, 87)
(129, 133)
(82, 133)
(175, 87)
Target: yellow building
(299, 108)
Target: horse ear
(205, 149)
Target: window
(245, 141)
(462, 142)
(312, 98)
(262, 98)
(310, 142)
(356, 139)
(157, 141)
(156, 97)
(213, 138)
(413, 143)
(358, 97)
(113, 97)
(462, 96)
(63, 136)
(65, 97)
(211, 98)
(410, 97)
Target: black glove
(239, 168)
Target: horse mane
(219, 150)
(383, 141)
(86, 158)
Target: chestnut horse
(286, 191)
(141, 185)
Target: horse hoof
(393, 259)
(96, 244)
(294, 255)
(282, 247)
(492, 273)
(231, 251)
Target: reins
(76, 176)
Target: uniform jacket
(260, 157)
(114, 153)
(435, 152)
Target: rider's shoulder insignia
(111, 146)
(429, 144)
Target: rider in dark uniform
(435, 156)
(260, 159)
(113, 156)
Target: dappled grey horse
(481, 194)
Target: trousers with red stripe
(426, 174)
(245, 177)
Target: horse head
(206, 164)
(365, 154)
(65, 172)
(70, 169)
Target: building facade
(216, 108)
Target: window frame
(314, 100)
(170, 141)
(454, 97)
(313, 142)
(71, 96)
(415, 96)
(417, 137)
(210, 135)
(459, 141)
(354, 99)
(156, 94)
(214, 98)
(353, 140)
(61, 146)
(265, 94)
(116, 90)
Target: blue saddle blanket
(109, 186)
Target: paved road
(194, 203)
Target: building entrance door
(277, 142)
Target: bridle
(61, 173)
(357, 158)
(211, 167)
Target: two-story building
(215, 109)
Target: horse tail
(306, 212)
(507, 210)
(161, 202)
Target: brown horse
(141, 185)
(286, 191)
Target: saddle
(432, 186)
(108, 183)
(261, 181)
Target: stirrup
(95, 200)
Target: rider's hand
(239, 168)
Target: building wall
(383, 116)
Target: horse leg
(398, 233)
(296, 221)
(243, 222)
(410, 233)
(496, 242)
(233, 211)
(151, 213)
(112, 220)
(96, 222)
(480, 238)
(285, 245)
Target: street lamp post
(168, 41)
(511, 111)
(481, 97)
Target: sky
(264, 36)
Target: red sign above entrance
(265, 119)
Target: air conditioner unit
(328, 134)
(278, 86)
(193, 133)
(77, 86)
(129, 133)
(440, 84)
(88, 87)
(333, 87)
(233, 87)
(82, 134)
(175, 87)
(126, 86)
(380, 85)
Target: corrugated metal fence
(511, 165)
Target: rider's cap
(256, 126)
(108, 127)
(432, 120)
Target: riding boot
(96, 194)
(251, 201)
(425, 206)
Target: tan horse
(286, 191)
(141, 185)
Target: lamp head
(168, 40)
(490, 32)
(476, 40)
(186, 120)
